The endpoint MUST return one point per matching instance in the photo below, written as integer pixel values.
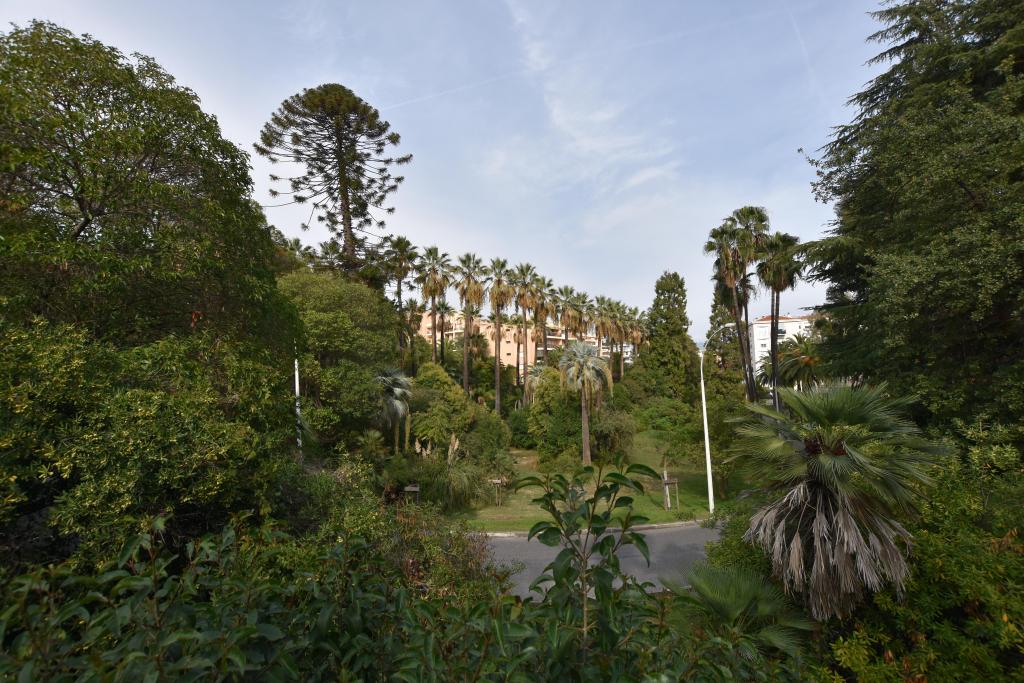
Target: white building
(761, 333)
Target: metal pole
(707, 440)
(298, 406)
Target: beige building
(509, 336)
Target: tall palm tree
(395, 392)
(524, 279)
(566, 312)
(730, 270)
(846, 464)
(778, 271)
(470, 276)
(742, 606)
(604, 320)
(584, 371)
(582, 314)
(434, 275)
(444, 311)
(544, 300)
(412, 317)
(500, 295)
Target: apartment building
(761, 333)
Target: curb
(641, 527)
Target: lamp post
(704, 414)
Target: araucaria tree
(585, 372)
(342, 142)
(846, 465)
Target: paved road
(673, 551)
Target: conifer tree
(671, 356)
(342, 142)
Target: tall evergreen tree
(670, 359)
(342, 142)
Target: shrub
(519, 426)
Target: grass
(518, 513)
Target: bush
(519, 426)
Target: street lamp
(704, 412)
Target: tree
(586, 373)
(400, 258)
(544, 308)
(848, 466)
(524, 280)
(395, 391)
(670, 360)
(123, 208)
(434, 275)
(470, 275)
(443, 309)
(500, 293)
(566, 312)
(342, 143)
(778, 271)
(923, 264)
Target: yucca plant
(845, 465)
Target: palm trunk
(744, 346)
(408, 428)
(467, 323)
(775, 349)
(401, 330)
(586, 429)
(442, 338)
(545, 340)
(622, 360)
(526, 347)
(497, 364)
(398, 426)
(433, 329)
(519, 343)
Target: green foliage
(669, 361)
(924, 269)
(846, 468)
(124, 210)
(519, 429)
(440, 407)
(962, 616)
(350, 338)
(612, 432)
(553, 418)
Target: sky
(598, 140)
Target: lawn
(518, 513)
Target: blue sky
(598, 140)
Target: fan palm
(434, 275)
(845, 464)
(470, 276)
(799, 359)
(566, 312)
(395, 392)
(778, 271)
(585, 372)
(500, 294)
(742, 606)
(444, 311)
(524, 278)
(543, 308)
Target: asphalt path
(674, 549)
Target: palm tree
(434, 275)
(778, 271)
(799, 359)
(501, 293)
(399, 259)
(582, 314)
(412, 317)
(470, 282)
(584, 371)
(443, 310)
(395, 392)
(743, 607)
(730, 270)
(566, 311)
(524, 279)
(604, 320)
(544, 307)
(847, 464)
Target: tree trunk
(442, 338)
(398, 426)
(433, 329)
(497, 364)
(519, 344)
(545, 328)
(622, 360)
(526, 347)
(401, 330)
(467, 323)
(408, 428)
(744, 346)
(586, 428)
(775, 348)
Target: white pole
(298, 407)
(707, 440)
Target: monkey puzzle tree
(342, 143)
